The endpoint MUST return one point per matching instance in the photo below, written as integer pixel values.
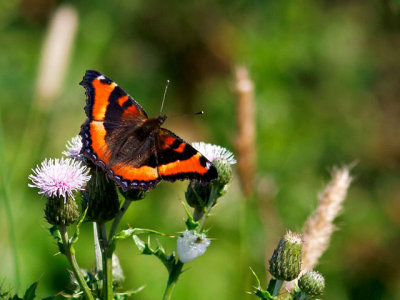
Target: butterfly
(133, 149)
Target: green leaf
(139, 243)
(126, 294)
(259, 292)
(191, 224)
(55, 233)
(262, 294)
(74, 238)
(256, 277)
(145, 248)
(30, 292)
(135, 231)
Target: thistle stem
(274, 286)
(97, 249)
(70, 254)
(211, 202)
(117, 219)
(277, 287)
(300, 296)
(106, 262)
(107, 250)
(172, 279)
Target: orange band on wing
(191, 165)
(122, 100)
(181, 148)
(144, 173)
(99, 146)
(102, 93)
(168, 141)
(131, 110)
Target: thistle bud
(224, 174)
(285, 263)
(61, 211)
(199, 195)
(135, 194)
(100, 197)
(312, 284)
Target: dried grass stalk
(55, 54)
(319, 227)
(245, 140)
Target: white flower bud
(191, 245)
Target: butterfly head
(161, 119)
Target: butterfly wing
(111, 140)
(108, 135)
(106, 101)
(178, 160)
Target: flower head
(285, 262)
(60, 211)
(213, 152)
(74, 147)
(199, 195)
(312, 283)
(191, 245)
(59, 177)
(100, 197)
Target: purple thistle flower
(59, 177)
(213, 152)
(74, 147)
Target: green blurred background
(326, 77)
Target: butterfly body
(133, 149)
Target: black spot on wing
(128, 103)
(176, 144)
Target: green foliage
(30, 293)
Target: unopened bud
(100, 197)
(224, 173)
(61, 211)
(197, 194)
(135, 194)
(312, 283)
(285, 263)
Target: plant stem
(300, 296)
(70, 254)
(277, 287)
(107, 251)
(97, 249)
(117, 219)
(172, 279)
(106, 261)
(211, 202)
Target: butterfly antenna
(165, 93)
